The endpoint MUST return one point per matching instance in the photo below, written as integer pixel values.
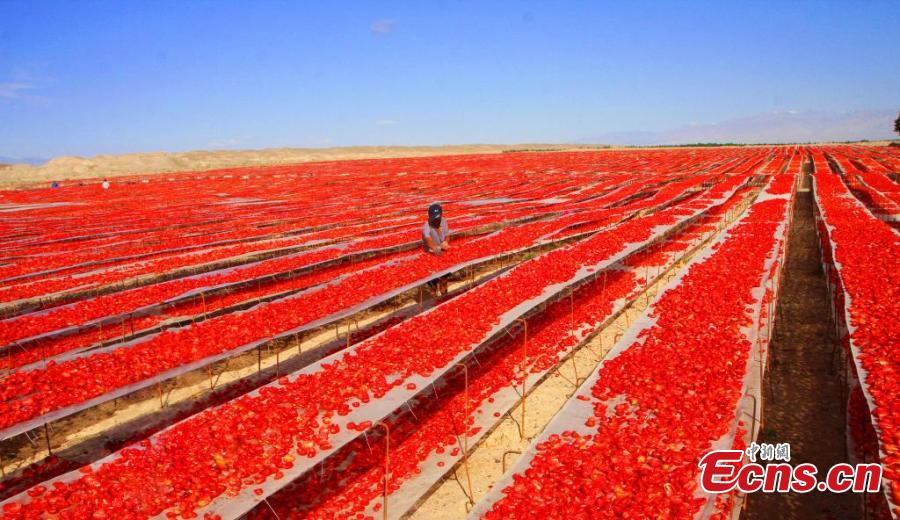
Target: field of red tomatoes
(106, 295)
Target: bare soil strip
(804, 405)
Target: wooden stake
(572, 307)
(387, 467)
(47, 435)
(466, 427)
(524, 372)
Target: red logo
(723, 471)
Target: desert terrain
(74, 167)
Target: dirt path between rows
(804, 405)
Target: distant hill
(70, 167)
(789, 126)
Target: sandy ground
(63, 168)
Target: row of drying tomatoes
(117, 265)
(84, 311)
(254, 438)
(120, 303)
(174, 221)
(249, 294)
(660, 404)
(39, 262)
(28, 394)
(351, 482)
(867, 253)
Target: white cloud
(385, 122)
(383, 26)
(15, 90)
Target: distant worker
(105, 184)
(54, 184)
(436, 240)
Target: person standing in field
(436, 240)
(105, 184)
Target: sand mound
(73, 167)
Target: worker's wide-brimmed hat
(435, 211)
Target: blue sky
(84, 78)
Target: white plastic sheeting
(846, 326)
(502, 402)
(200, 363)
(376, 409)
(575, 413)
